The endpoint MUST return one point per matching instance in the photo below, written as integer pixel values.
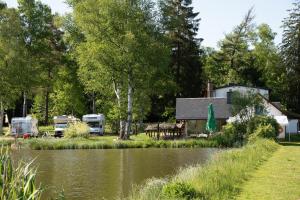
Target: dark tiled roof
(277, 105)
(196, 108)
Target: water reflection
(98, 174)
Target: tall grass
(221, 178)
(17, 183)
(81, 143)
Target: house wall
(272, 110)
(199, 126)
(292, 127)
(222, 92)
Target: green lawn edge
(277, 179)
(221, 178)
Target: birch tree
(123, 44)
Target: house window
(259, 110)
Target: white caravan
(61, 123)
(95, 122)
(24, 125)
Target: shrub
(232, 135)
(179, 190)
(258, 121)
(263, 131)
(77, 130)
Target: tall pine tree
(290, 49)
(181, 25)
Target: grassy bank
(111, 142)
(221, 178)
(277, 179)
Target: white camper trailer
(96, 122)
(61, 123)
(24, 125)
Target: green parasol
(211, 121)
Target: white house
(194, 110)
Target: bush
(263, 131)
(179, 190)
(258, 121)
(232, 135)
(77, 130)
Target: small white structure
(24, 125)
(61, 123)
(96, 122)
(222, 92)
(283, 121)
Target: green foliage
(230, 135)
(118, 58)
(12, 57)
(179, 190)
(248, 55)
(234, 62)
(290, 52)
(221, 178)
(263, 131)
(262, 121)
(181, 31)
(269, 62)
(77, 130)
(17, 183)
(111, 142)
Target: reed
(17, 183)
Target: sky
(218, 17)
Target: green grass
(277, 179)
(221, 178)
(112, 142)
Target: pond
(106, 174)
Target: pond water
(106, 174)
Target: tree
(290, 51)
(122, 46)
(44, 45)
(234, 62)
(12, 59)
(180, 25)
(269, 63)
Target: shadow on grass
(290, 143)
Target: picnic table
(165, 130)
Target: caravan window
(61, 125)
(94, 124)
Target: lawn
(278, 178)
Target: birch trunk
(121, 122)
(129, 106)
(24, 105)
(47, 107)
(1, 116)
(94, 103)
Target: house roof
(239, 85)
(289, 114)
(197, 108)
